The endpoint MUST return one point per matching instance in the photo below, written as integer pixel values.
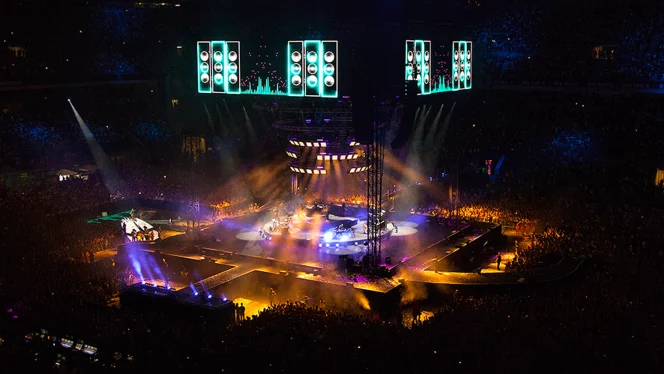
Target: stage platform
(233, 261)
(318, 231)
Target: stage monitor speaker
(204, 80)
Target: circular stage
(341, 235)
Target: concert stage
(320, 231)
(232, 260)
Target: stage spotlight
(224, 299)
(328, 236)
(327, 245)
(69, 100)
(195, 293)
(209, 296)
(337, 244)
(320, 245)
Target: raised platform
(228, 264)
(320, 231)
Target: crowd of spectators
(577, 173)
(520, 43)
(48, 282)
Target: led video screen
(299, 68)
(435, 68)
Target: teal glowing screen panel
(203, 52)
(419, 66)
(328, 67)
(295, 74)
(218, 70)
(232, 67)
(312, 70)
(462, 53)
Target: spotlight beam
(110, 177)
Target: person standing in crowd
(498, 261)
(242, 311)
(417, 312)
(272, 296)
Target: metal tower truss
(375, 220)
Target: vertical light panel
(232, 67)
(462, 65)
(312, 73)
(418, 65)
(419, 59)
(217, 63)
(456, 66)
(295, 65)
(204, 71)
(329, 69)
(426, 67)
(469, 65)
(410, 60)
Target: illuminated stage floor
(241, 235)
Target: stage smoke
(413, 291)
(362, 300)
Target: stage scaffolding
(375, 159)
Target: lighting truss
(358, 169)
(337, 157)
(375, 158)
(317, 144)
(316, 171)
